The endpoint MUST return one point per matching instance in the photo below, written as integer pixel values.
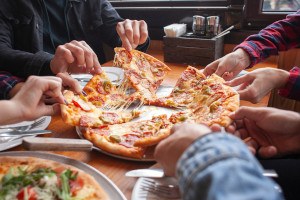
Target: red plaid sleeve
(7, 82)
(279, 36)
(292, 87)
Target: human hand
(29, 101)
(170, 149)
(258, 83)
(272, 131)
(75, 57)
(132, 33)
(229, 66)
(69, 82)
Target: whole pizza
(33, 178)
(105, 114)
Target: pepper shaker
(198, 25)
(212, 26)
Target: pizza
(144, 72)
(184, 90)
(129, 139)
(106, 121)
(35, 178)
(80, 112)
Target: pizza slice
(102, 93)
(184, 91)
(214, 102)
(144, 72)
(129, 139)
(35, 178)
(80, 112)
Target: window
(280, 5)
(260, 13)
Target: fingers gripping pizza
(144, 72)
(34, 179)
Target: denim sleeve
(219, 166)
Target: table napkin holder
(193, 51)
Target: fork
(161, 190)
(27, 127)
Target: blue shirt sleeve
(220, 166)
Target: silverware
(35, 124)
(158, 173)
(167, 191)
(151, 173)
(16, 133)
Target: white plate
(139, 194)
(5, 144)
(115, 75)
(111, 189)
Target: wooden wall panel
(286, 61)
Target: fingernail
(66, 102)
(84, 93)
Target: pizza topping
(81, 103)
(88, 121)
(128, 140)
(102, 132)
(115, 138)
(107, 86)
(110, 117)
(27, 193)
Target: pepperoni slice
(126, 55)
(102, 132)
(87, 120)
(134, 77)
(128, 140)
(110, 118)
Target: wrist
(52, 68)
(243, 57)
(281, 78)
(11, 112)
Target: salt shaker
(212, 26)
(198, 25)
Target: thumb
(246, 112)
(51, 109)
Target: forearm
(10, 112)
(24, 64)
(279, 36)
(219, 166)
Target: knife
(15, 133)
(159, 173)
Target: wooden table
(115, 168)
